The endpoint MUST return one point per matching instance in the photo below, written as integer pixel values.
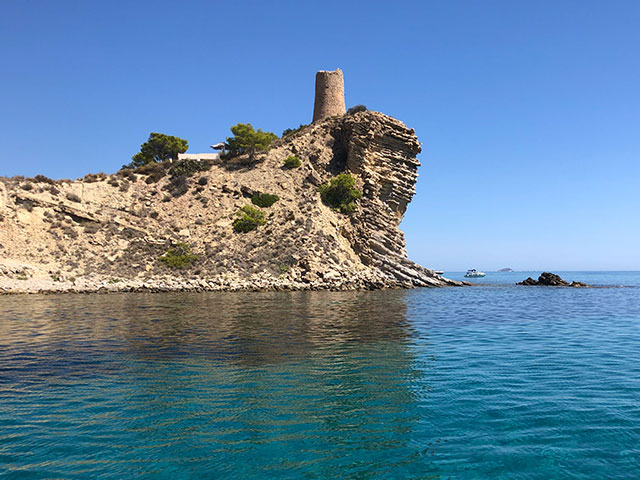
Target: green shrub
(69, 232)
(94, 177)
(91, 228)
(155, 171)
(356, 109)
(341, 193)
(73, 197)
(42, 179)
(179, 256)
(147, 168)
(126, 172)
(292, 162)
(264, 199)
(189, 166)
(159, 148)
(248, 140)
(249, 218)
(177, 186)
(26, 204)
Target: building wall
(329, 99)
(198, 156)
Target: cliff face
(107, 232)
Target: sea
(494, 381)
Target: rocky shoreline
(229, 283)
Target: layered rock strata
(107, 232)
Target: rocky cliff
(107, 232)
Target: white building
(198, 156)
(204, 156)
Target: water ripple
(485, 382)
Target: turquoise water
(493, 381)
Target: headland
(257, 220)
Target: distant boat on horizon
(439, 272)
(506, 270)
(473, 273)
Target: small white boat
(473, 273)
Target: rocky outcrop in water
(550, 280)
(108, 232)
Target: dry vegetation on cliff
(112, 231)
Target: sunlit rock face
(107, 232)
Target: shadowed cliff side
(107, 232)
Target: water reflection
(235, 385)
(252, 328)
(442, 383)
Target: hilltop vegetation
(157, 149)
(246, 140)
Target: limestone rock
(111, 239)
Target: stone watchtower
(329, 95)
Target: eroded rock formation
(106, 232)
(549, 279)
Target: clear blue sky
(528, 111)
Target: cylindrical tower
(329, 94)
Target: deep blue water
(492, 381)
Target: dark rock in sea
(551, 280)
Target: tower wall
(329, 94)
